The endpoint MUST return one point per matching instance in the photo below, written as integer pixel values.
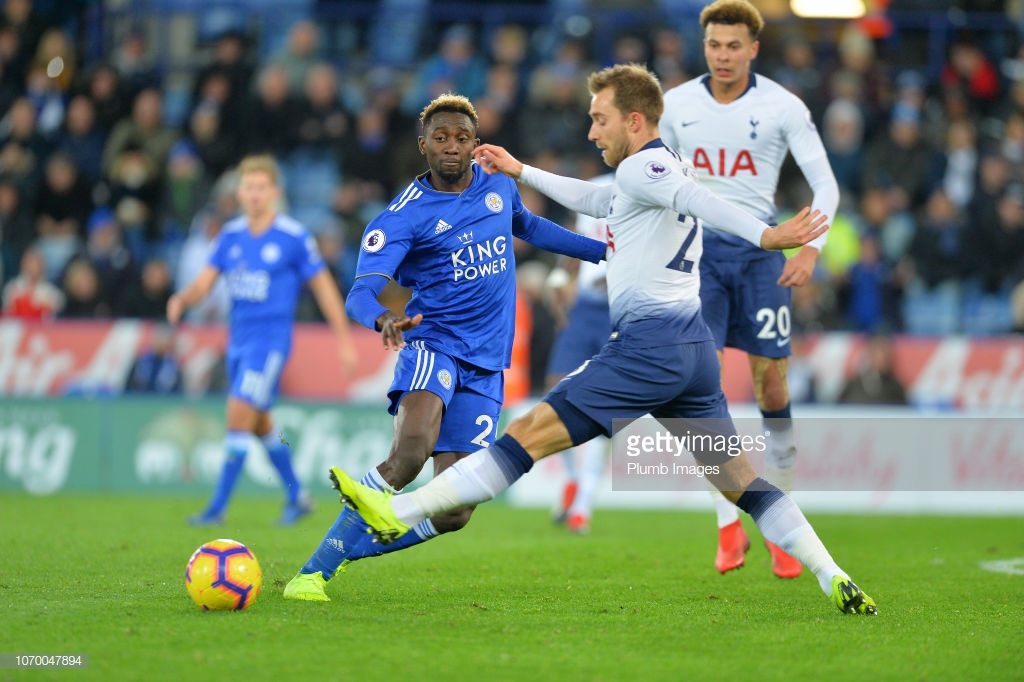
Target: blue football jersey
(264, 275)
(454, 250)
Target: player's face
(257, 194)
(729, 50)
(447, 143)
(608, 128)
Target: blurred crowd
(115, 178)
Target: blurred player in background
(736, 127)
(449, 238)
(661, 357)
(586, 330)
(266, 257)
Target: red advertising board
(55, 358)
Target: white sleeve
(578, 195)
(699, 202)
(823, 183)
(809, 153)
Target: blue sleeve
(310, 260)
(361, 304)
(551, 236)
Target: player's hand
(799, 268)
(493, 159)
(175, 309)
(804, 227)
(349, 358)
(392, 326)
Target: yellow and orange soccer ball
(223, 575)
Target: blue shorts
(586, 331)
(254, 372)
(744, 305)
(472, 396)
(624, 382)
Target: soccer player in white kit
(736, 127)
(661, 356)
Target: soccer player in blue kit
(448, 237)
(266, 258)
(661, 358)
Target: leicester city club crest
(445, 377)
(494, 202)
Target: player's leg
(772, 391)
(241, 420)
(763, 331)
(469, 423)
(781, 522)
(617, 383)
(591, 467)
(718, 306)
(297, 501)
(775, 513)
(586, 330)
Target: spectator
(134, 61)
(875, 382)
(144, 130)
(970, 70)
(64, 200)
(134, 187)
(193, 257)
(232, 73)
(300, 53)
(82, 293)
(30, 295)
(149, 300)
(157, 369)
(103, 86)
(270, 118)
(185, 190)
(843, 136)
(901, 159)
(17, 227)
(81, 138)
(114, 264)
(455, 67)
(216, 144)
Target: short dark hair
(636, 89)
(452, 103)
(732, 12)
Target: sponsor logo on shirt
(442, 226)
(479, 260)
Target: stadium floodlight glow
(828, 9)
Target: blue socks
(348, 539)
(281, 457)
(236, 445)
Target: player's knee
(453, 520)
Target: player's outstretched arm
(195, 292)
(494, 159)
(804, 227)
(325, 290)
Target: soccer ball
(223, 574)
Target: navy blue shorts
(623, 382)
(586, 331)
(744, 306)
(472, 396)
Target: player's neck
(258, 224)
(458, 187)
(727, 92)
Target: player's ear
(754, 48)
(421, 142)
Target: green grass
(509, 598)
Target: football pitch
(509, 598)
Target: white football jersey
(654, 234)
(591, 276)
(738, 148)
